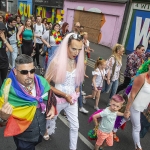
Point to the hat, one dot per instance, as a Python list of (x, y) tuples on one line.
[(2, 26)]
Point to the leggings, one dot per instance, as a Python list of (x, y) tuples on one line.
[(27, 47), (3, 75), (37, 49), (136, 126)]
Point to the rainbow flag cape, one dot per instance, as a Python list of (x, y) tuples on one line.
[(24, 105)]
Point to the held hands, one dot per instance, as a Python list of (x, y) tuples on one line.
[(108, 82), (127, 114), (48, 45), (6, 111)]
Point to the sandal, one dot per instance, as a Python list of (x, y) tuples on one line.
[(116, 139), (46, 137)]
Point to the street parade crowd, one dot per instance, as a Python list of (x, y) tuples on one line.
[(30, 103)]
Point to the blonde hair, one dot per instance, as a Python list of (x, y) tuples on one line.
[(100, 61), (115, 50), (85, 33)]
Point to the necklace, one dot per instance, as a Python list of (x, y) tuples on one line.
[(71, 63), (57, 37), (28, 89)]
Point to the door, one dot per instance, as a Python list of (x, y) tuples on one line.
[(91, 22)]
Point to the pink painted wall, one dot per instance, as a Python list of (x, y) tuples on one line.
[(113, 15)]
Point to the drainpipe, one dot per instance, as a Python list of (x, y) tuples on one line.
[(124, 21)]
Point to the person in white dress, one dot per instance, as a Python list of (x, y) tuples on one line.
[(66, 70), (97, 82)]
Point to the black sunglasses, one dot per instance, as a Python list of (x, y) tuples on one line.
[(76, 37), (25, 72)]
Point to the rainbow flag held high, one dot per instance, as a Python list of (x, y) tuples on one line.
[(24, 105)]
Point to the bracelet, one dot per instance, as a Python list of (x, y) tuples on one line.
[(5, 42)]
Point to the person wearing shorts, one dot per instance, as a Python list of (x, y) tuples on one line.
[(97, 81), (108, 118)]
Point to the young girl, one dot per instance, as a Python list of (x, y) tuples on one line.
[(108, 118), (97, 81), (87, 49)]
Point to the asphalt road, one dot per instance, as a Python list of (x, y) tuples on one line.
[(60, 140)]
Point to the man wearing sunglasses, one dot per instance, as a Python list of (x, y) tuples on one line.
[(28, 95)]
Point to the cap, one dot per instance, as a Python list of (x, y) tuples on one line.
[(2, 26)]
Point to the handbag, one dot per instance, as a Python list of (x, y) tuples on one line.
[(43, 52), (51, 101), (92, 134), (146, 113)]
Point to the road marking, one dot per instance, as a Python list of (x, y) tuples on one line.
[(83, 139)]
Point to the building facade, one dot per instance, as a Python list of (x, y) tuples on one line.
[(50, 9), (11, 6), (102, 20), (25, 9), (3, 5), (138, 25)]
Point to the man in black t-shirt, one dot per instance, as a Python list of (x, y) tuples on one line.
[(12, 38)]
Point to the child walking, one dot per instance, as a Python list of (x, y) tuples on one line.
[(97, 81), (108, 118)]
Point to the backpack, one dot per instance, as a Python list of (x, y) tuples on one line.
[(34, 27)]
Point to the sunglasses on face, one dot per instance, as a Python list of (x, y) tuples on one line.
[(25, 72), (76, 37)]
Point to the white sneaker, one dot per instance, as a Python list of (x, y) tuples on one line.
[(83, 110), (96, 108), (84, 100), (83, 93)]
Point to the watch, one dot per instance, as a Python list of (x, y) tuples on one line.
[(40, 37), (2, 120)]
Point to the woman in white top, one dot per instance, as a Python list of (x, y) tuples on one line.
[(66, 70), (114, 65), (97, 81), (139, 99), (52, 39)]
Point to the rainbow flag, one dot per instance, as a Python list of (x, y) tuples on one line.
[(24, 105)]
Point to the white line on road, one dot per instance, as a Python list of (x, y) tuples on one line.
[(83, 139)]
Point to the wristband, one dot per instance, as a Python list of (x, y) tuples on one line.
[(5, 42)]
